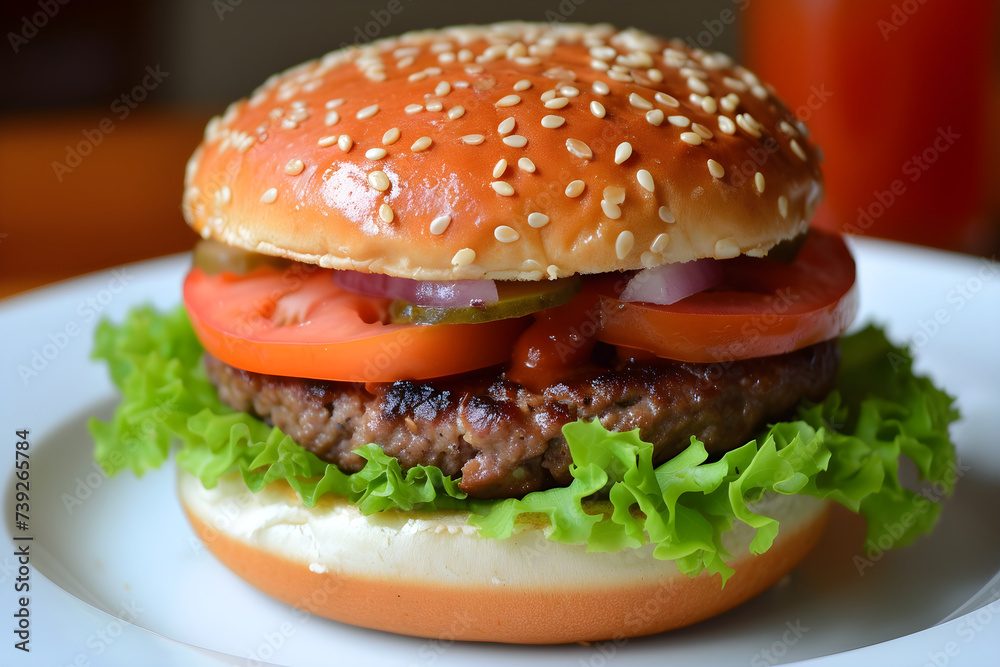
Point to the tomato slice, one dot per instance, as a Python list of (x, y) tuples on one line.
[(297, 323), (763, 307)]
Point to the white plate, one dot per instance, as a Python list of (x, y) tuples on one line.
[(120, 547)]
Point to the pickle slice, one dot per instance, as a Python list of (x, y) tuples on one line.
[(214, 257), (517, 299)]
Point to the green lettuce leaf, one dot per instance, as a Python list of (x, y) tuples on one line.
[(847, 449)]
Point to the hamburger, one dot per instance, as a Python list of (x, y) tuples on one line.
[(494, 324)]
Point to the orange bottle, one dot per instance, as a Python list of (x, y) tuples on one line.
[(896, 93)]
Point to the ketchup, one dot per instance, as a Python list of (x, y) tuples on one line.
[(559, 344)]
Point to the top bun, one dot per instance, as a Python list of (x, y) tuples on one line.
[(510, 151)]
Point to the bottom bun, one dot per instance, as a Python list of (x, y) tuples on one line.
[(429, 574)]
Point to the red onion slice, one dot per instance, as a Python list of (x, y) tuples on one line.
[(670, 283), (433, 293)]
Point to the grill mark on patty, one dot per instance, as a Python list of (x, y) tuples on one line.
[(504, 440)]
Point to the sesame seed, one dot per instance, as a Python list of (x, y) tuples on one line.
[(442, 88), (702, 131), (569, 91), (600, 88), (654, 116), (439, 224), (413, 108), (503, 188), (758, 91), (735, 84), (515, 140), (332, 118), (345, 142), (435, 105), (599, 65), (783, 206), (690, 71), (726, 248), (655, 75), (620, 76), (246, 144), (691, 138), (516, 50), (579, 149), (499, 168), (639, 102), (505, 234), (613, 211), (269, 195), (367, 112), (464, 257), (614, 194), (749, 124), (623, 152), (709, 105), (548, 95), (679, 121), (421, 144), (575, 188), (522, 85), (508, 100), (758, 180), (697, 85), (527, 165), (557, 103), (289, 124), (660, 242), (603, 52), (552, 122), (797, 149), (327, 141), (506, 126), (375, 153), (294, 167), (597, 109), (417, 76), (645, 179), (666, 100), (538, 220), (386, 213), (379, 181), (455, 113), (727, 125), (623, 244), (390, 137), (730, 102), (224, 195), (716, 169), (333, 104), (787, 128), (473, 139), (666, 215)]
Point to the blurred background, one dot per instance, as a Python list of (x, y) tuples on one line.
[(102, 102)]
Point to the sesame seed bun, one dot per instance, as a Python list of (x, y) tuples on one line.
[(429, 574), (512, 151)]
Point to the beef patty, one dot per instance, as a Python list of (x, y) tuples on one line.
[(505, 440)]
